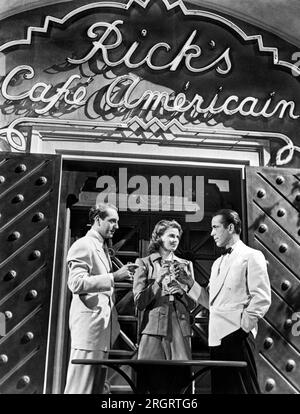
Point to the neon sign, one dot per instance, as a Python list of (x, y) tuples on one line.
[(107, 44), (39, 92), (153, 100), (187, 53), (149, 100)]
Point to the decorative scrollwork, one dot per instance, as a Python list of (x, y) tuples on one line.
[(14, 137)]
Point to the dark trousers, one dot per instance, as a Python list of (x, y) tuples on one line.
[(237, 346), (174, 346)]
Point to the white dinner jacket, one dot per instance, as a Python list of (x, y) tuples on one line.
[(238, 294)]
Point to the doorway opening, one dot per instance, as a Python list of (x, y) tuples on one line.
[(203, 189)]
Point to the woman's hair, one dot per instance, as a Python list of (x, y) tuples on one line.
[(160, 228)]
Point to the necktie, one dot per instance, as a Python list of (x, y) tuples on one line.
[(106, 251), (227, 251)]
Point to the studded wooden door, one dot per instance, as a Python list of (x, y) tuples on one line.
[(29, 186), (273, 200)]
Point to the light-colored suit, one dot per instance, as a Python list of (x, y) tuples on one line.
[(238, 294), (93, 318)]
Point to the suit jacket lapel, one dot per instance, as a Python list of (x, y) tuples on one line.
[(214, 283), (152, 259), (100, 251), (218, 279), (104, 258)]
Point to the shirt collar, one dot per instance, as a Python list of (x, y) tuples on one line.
[(97, 236), (156, 256), (237, 243)]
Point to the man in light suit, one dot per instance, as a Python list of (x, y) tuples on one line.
[(93, 318), (237, 296)]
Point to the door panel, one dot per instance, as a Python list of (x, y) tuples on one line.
[(28, 298), (288, 287), (26, 262), (273, 380), (279, 315), (29, 187), (273, 196), (277, 200), (27, 377), (277, 346), (34, 225), (25, 340)]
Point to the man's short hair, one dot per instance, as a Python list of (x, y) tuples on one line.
[(230, 217), (100, 210)]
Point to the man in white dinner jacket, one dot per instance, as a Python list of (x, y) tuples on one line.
[(237, 296), (93, 318)]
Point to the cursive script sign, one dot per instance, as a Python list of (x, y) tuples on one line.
[(148, 100), (188, 53), (162, 65), (40, 91), (153, 100)]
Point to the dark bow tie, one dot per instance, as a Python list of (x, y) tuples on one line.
[(227, 251)]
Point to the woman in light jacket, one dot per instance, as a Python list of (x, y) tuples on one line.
[(161, 300)]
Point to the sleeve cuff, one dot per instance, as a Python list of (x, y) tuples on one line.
[(190, 288), (112, 279), (156, 286), (195, 292)]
